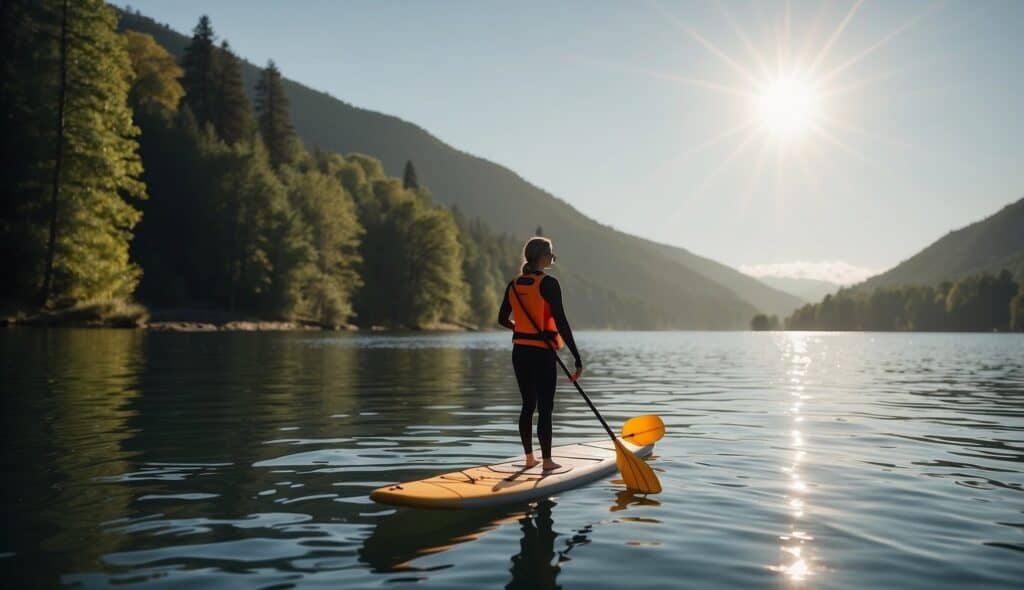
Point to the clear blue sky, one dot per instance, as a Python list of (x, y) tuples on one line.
[(611, 106)]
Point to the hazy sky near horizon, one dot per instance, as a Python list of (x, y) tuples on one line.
[(651, 116)]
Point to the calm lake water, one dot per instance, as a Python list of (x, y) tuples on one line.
[(244, 460)]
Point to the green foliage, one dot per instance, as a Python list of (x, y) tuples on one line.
[(26, 74), (762, 323), (155, 74), (324, 288), (976, 303), (272, 114), (412, 259), (1017, 311), (409, 180), (66, 112), (232, 115), (489, 262), (200, 76), (435, 288), (234, 212), (237, 220), (981, 302)]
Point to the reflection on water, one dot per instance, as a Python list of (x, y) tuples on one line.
[(401, 537), (796, 549), (536, 565), (53, 453), (825, 460)]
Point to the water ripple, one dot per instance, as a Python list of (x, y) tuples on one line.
[(810, 460)]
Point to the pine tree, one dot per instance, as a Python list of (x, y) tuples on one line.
[(272, 113), (232, 115), (200, 76), (27, 84), (96, 164), (1017, 311), (58, 160), (409, 181), (539, 232)]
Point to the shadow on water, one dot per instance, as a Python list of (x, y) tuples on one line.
[(409, 533)]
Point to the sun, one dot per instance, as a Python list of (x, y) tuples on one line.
[(787, 107)]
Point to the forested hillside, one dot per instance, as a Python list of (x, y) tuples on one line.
[(972, 279), (107, 129), (990, 245), (977, 303), (613, 279)]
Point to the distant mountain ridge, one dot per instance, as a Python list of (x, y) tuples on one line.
[(810, 290), (989, 245), (616, 280)]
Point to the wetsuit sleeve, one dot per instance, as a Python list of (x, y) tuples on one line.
[(505, 311), (552, 293)]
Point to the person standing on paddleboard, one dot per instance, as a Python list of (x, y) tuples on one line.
[(532, 308)]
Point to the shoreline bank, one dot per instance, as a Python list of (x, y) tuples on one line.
[(134, 316)]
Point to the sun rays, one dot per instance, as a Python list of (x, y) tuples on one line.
[(791, 88)]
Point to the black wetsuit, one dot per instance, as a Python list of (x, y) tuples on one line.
[(535, 367)]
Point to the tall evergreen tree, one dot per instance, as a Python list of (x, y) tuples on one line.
[(96, 164), (22, 210), (58, 147), (409, 181), (232, 115), (200, 79), (1017, 311), (272, 113)]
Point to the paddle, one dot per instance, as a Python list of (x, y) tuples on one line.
[(637, 474), (643, 430)]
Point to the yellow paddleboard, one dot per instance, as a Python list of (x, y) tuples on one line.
[(508, 480)]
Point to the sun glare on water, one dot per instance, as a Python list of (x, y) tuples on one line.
[(787, 107)]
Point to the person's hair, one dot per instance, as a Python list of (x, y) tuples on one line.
[(532, 252)]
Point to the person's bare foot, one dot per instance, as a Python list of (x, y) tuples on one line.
[(550, 465), (530, 461)]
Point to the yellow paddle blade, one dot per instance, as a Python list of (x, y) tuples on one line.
[(643, 430), (638, 475)]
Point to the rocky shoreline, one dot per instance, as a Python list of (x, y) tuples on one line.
[(194, 320)]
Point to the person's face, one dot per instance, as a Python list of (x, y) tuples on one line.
[(548, 260)]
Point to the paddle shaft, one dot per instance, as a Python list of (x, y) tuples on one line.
[(551, 347)]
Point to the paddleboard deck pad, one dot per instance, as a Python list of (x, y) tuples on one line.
[(509, 480)]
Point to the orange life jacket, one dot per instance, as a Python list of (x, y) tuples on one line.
[(527, 286)]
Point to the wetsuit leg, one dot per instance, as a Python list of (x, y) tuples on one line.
[(524, 366), (547, 380)]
